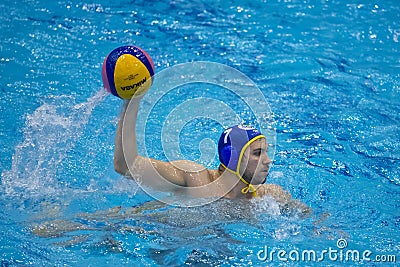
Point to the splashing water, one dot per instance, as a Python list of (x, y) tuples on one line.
[(50, 132)]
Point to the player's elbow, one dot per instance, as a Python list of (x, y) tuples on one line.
[(120, 167)]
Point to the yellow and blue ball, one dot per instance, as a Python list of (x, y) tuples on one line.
[(127, 71)]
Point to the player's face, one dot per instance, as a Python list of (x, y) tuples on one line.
[(256, 162)]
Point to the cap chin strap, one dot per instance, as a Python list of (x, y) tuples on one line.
[(249, 187)]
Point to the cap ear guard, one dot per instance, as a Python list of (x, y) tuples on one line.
[(229, 156)]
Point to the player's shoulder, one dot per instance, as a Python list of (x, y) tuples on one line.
[(194, 174), (188, 166)]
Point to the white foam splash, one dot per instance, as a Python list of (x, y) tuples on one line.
[(266, 205), (50, 132)]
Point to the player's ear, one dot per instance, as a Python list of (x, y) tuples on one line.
[(229, 156)]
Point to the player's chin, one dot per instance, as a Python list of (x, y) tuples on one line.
[(261, 179), (264, 176), (264, 180)]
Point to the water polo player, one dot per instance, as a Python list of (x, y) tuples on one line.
[(244, 165)]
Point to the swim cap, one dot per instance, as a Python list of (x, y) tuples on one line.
[(232, 144)]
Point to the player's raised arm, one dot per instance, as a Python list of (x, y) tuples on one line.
[(182, 172), (120, 164)]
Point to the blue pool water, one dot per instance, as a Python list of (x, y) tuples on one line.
[(330, 71)]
